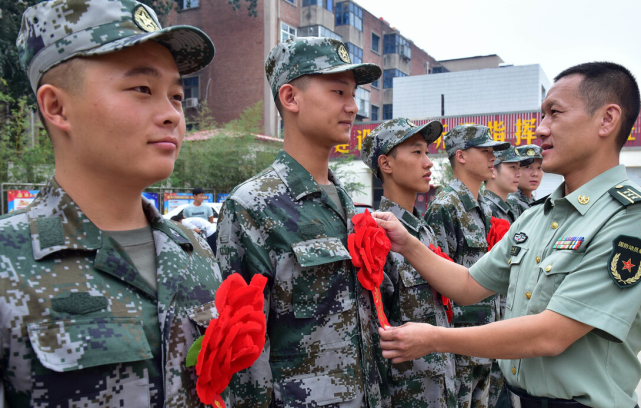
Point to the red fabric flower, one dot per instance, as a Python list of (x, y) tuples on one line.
[(368, 246), (447, 302), (233, 341), (499, 227)]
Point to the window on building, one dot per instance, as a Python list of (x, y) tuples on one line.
[(376, 84), (395, 44), (355, 53), (286, 32), (388, 112), (389, 75), (375, 113), (187, 4), (362, 101), (543, 93), (326, 4), (291, 1), (348, 13), (191, 88), (439, 70), (376, 40), (318, 31)]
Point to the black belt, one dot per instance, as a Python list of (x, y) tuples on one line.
[(520, 399)]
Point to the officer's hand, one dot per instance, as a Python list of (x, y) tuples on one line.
[(407, 342), (395, 231)]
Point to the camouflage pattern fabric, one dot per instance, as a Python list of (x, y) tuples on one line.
[(320, 349), (498, 207), (313, 55), (461, 223), (55, 31), (496, 384), (463, 137), (428, 381), (390, 134), (475, 383), (81, 327), (532, 151), (519, 202), (512, 155)]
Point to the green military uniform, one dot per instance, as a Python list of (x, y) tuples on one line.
[(81, 326), (427, 381), (461, 223), (518, 201), (321, 348), (577, 255)]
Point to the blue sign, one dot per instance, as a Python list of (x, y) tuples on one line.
[(153, 197), (222, 197)]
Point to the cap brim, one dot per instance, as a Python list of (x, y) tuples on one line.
[(365, 73), (191, 48), (524, 161), (498, 146), (430, 131)]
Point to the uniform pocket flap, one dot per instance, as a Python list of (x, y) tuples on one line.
[(202, 315), (316, 390), (72, 344), (410, 277), (320, 251), (473, 242), (517, 254), (561, 262)]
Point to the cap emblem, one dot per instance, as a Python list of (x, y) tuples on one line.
[(412, 124), (144, 20), (516, 152), (531, 152), (343, 54)]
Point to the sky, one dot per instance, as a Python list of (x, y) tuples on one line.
[(556, 34)]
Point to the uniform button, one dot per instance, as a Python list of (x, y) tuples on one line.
[(528, 295), (538, 259), (555, 225), (548, 268), (509, 261), (513, 370)]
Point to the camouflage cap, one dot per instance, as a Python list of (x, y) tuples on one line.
[(313, 55), (55, 31), (512, 155), (391, 133), (463, 137), (531, 151)]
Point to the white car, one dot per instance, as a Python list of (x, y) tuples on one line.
[(215, 206)]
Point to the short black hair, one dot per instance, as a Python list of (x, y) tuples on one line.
[(607, 82), (178, 217), (198, 190)]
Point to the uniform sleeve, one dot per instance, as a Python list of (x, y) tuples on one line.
[(439, 219), (587, 293), (241, 250)]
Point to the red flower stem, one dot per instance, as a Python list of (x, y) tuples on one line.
[(378, 302)]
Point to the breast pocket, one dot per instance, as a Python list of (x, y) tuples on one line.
[(474, 248), (321, 278), (552, 271), (415, 296), (515, 271), (319, 389)]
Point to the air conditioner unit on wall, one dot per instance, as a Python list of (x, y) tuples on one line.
[(191, 102)]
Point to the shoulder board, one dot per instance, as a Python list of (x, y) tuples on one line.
[(626, 195), (539, 201)]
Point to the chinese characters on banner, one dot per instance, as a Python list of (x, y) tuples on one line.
[(19, 199), (516, 128)]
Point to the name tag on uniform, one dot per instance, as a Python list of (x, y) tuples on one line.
[(568, 243), (515, 250)]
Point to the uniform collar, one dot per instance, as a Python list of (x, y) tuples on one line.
[(523, 197), (411, 220), (590, 191), (465, 195), (493, 197)]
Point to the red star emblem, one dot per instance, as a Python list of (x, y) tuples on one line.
[(628, 265)]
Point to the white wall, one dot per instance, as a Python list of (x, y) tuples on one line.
[(493, 90), (360, 173)]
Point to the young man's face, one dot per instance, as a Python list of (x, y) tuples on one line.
[(531, 176), (411, 168), (199, 198), (126, 119), (506, 177), (327, 109), (479, 162)]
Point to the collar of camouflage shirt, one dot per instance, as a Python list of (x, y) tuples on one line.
[(465, 195)]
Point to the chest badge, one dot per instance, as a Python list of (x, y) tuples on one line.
[(520, 237), (568, 243), (624, 264)]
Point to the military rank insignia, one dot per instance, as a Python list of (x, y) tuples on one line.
[(626, 195), (624, 264), (568, 243), (520, 237)]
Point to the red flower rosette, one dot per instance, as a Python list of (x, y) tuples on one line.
[(499, 227), (447, 302), (368, 247), (234, 340)]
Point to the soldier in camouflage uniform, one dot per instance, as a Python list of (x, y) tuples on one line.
[(101, 298), (290, 224), (531, 175), (460, 218), (396, 152)]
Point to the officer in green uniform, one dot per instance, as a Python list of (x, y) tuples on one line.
[(531, 175), (570, 266), (100, 297), (396, 152), (460, 218), (290, 224)]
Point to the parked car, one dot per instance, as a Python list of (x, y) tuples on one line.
[(360, 208), (215, 206)]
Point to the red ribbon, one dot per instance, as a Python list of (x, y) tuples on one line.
[(498, 228)]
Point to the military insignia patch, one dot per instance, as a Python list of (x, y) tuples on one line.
[(624, 264), (568, 243), (520, 237), (531, 152), (343, 54), (144, 20), (515, 250), (626, 195)]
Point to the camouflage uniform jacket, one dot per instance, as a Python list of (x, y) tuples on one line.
[(73, 306), (499, 208), (319, 348), (414, 300), (519, 202), (461, 223)]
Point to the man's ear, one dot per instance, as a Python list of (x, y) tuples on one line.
[(610, 120), (384, 165), (52, 103), (288, 95), (460, 156)]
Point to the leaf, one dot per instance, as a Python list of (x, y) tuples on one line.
[(192, 354)]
